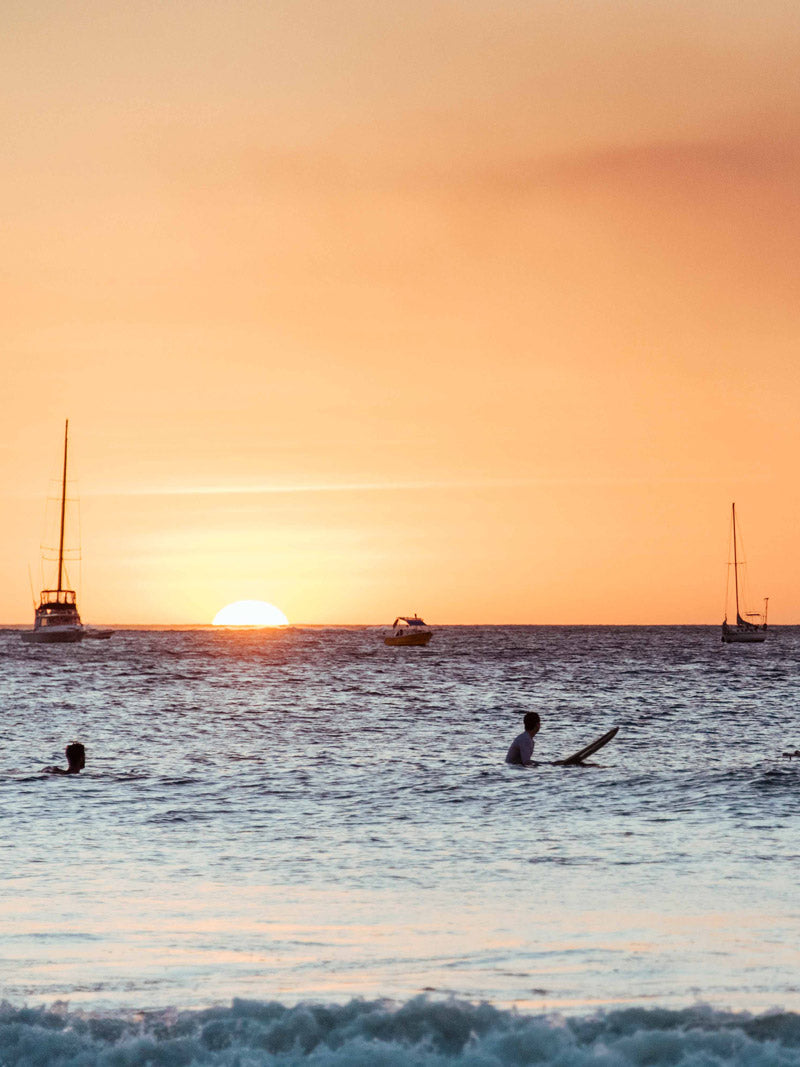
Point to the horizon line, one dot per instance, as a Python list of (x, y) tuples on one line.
[(384, 625)]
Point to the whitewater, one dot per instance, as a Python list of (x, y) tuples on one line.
[(301, 846)]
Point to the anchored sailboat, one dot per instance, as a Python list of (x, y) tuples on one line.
[(750, 626), (56, 618)]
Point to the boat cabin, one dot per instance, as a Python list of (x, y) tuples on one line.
[(57, 598), (57, 607), (402, 621)]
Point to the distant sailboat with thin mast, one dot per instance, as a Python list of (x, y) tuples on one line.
[(56, 618), (751, 626)]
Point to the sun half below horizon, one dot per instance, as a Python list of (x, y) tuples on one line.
[(250, 613)]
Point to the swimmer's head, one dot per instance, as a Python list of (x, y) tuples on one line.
[(76, 756), (532, 722)]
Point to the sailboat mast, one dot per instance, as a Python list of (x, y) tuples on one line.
[(63, 508), (735, 560)]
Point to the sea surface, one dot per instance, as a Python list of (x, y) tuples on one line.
[(301, 846)]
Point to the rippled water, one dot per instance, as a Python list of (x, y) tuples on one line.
[(305, 813)]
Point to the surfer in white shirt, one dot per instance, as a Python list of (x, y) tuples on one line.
[(521, 751)]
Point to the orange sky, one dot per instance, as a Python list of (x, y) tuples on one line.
[(485, 310)]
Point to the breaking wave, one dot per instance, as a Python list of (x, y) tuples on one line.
[(421, 1032)]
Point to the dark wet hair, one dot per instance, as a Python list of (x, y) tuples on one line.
[(531, 719), (75, 753)]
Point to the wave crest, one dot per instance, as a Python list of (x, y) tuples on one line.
[(419, 1033)]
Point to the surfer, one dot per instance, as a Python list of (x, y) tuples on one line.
[(520, 753), (76, 760)]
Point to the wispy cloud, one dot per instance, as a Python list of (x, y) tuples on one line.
[(343, 487), (414, 486)]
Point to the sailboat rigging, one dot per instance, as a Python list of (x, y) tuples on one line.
[(56, 618), (745, 630)]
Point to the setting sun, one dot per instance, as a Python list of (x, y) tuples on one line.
[(250, 613)]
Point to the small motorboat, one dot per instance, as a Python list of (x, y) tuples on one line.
[(96, 635), (408, 630)]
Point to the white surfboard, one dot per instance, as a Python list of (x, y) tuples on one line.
[(589, 750)]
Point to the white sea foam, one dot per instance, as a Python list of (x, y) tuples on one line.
[(421, 1033)]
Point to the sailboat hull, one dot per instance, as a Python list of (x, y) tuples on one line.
[(67, 633), (743, 637), (53, 636)]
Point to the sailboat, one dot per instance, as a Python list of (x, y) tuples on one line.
[(750, 628), (56, 618)]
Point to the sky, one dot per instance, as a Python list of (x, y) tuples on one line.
[(483, 310)]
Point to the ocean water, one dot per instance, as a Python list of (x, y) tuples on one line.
[(300, 846)]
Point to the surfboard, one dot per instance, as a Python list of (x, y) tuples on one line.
[(589, 750)]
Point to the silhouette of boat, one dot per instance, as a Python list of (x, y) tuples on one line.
[(751, 627), (408, 630), (56, 619)]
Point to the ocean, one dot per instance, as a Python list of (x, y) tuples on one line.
[(299, 846)]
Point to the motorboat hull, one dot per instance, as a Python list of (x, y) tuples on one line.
[(408, 639)]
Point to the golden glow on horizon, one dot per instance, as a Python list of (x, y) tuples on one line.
[(250, 613)]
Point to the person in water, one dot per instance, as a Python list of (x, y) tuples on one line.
[(521, 751), (76, 760)]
